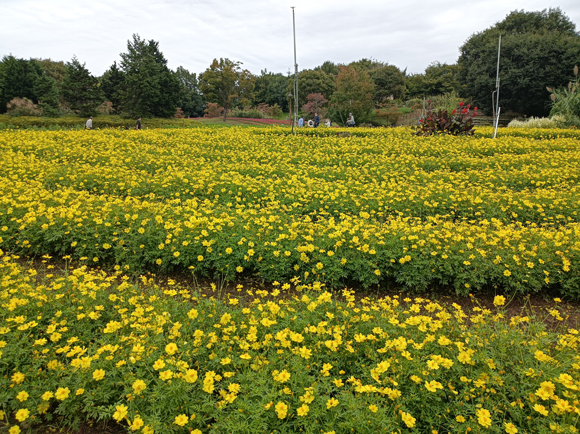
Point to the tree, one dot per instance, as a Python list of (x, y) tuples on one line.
[(367, 64), (17, 80), (113, 86), (389, 83), (354, 94), (271, 89), (438, 79), (227, 84), (46, 88), (190, 98), (315, 104), (80, 89), (538, 49), (312, 81), (328, 67), (151, 88), (55, 69)]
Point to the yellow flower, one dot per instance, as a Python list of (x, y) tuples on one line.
[(137, 423), (507, 273), (499, 300), (432, 386), (139, 386), (281, 410), (47, 395), (62, 393), (166, 375), (80, 391), (18, 378), (181, 420), (483, 417), (460, 419), (373, 408), (303, 410), (190, 376), (510, 428), (120, 413), (22, 396), (332, 402), (99, 374), (408, 419), (14, 430), (541, 409), (171, 349), (22, 414), (159, 364)]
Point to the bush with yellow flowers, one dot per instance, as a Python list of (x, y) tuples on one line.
[(382, 207), (86, 346)]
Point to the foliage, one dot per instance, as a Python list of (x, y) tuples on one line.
[(150, 89), (190, 100), (367, 64), (457, 123), (546, 38), (17, 79), (354, 94), (213, 110), (112, 84), (447, 101), (80, 89), (46, 89), (566, 102), (270, 88), (227, 84), (382, 207), (329, 68), (438, 78), (389, 83), (312, 81), (315, 105), (56, 69), (86, 346), (22, 107)]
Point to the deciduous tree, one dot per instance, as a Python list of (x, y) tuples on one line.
[(227, 84), (354, 94)]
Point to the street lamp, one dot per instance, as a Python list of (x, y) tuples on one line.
[(290, 107)]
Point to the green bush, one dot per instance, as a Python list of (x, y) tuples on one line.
[(99, 122)]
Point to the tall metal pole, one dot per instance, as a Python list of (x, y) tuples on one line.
[(295, 74), (496, 108)]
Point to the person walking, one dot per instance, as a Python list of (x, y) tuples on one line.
[(138, 126), (301, 122), (89, 124), (316, 120)]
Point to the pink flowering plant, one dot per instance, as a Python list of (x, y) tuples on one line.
[(457, 123)]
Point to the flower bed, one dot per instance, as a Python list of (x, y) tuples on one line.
[(88, 346)]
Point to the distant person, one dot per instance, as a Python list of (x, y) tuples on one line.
[(328, 123), (89, 124), (316, 120), (300, 122), (350, 121), (138, 126)]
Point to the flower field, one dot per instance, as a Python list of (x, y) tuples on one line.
[(380, 207)]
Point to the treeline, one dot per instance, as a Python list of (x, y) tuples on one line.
[(539, 50)]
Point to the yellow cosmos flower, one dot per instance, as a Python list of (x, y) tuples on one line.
[(62, 393), (98, 374), (139, 386), (120, 413), (22, 414), (408, 419), (281, 410), (181, 420), (171, 349)]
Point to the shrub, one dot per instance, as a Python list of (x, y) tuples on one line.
[(554, 122), (22, 107), (458, 122), (566, 102), (213, 110)]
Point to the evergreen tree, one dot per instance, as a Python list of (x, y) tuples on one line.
[(17, 79), (151, 89), (538, 49), (46, 88), (113, 85), (190, 98), (80, 90), (271, 88), (389, 83), (312, 81)]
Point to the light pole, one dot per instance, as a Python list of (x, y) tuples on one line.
[(290, 107), (295, 73)]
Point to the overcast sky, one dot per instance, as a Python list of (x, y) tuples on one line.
[(407, 33)]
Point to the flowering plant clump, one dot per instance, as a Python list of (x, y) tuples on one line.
[(458, 122), (88, 346)]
